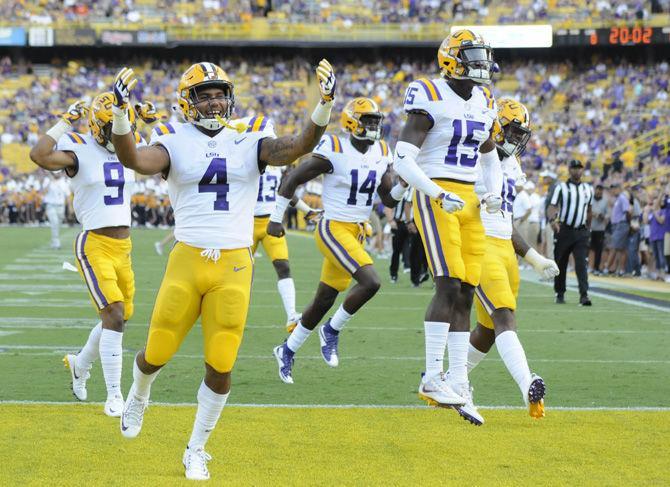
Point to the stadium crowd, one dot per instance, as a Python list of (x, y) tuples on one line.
[(345, 13), (609, 115)]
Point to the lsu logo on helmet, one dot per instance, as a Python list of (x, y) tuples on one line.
[(100, 119), (465, 55), (511, 131), (362, 118), (204, 75)]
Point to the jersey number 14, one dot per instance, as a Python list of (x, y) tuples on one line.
[(366, 187)]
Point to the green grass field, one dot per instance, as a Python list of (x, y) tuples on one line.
[(612, 356)]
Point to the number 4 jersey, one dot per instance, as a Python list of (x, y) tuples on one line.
[(460, 127), (348, 191), (213, 182), (101, 185)]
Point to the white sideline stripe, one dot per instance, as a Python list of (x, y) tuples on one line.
[(11, 402), (65, 348)]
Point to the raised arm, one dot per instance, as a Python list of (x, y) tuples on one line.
[(145, 160), (43, 153), (284, 150)]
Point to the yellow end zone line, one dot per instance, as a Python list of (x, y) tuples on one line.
[(340, 406)]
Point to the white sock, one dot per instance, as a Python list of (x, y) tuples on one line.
[(339, 319), (286, 288), (457, 346), (89, 353), (210, 405), (142, 382), (474, 357), (512, 354), (296, 339), (111, 359), (436, 340)]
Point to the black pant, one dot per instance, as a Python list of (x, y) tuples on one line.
[(400, 238), (597, 244), (417, 257), (573, 241)]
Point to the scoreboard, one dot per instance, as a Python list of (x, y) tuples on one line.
[(638, 35)]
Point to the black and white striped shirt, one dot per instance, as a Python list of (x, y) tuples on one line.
[(574, 201), (399, 210)]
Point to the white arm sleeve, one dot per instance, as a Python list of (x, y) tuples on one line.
[(407, 168), (492, 172)]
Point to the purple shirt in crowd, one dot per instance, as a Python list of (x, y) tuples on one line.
[(656, 229), (621, 206)]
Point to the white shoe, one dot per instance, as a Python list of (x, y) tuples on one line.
[(158, 247), (468, 411), (195, 463), (436, 392), (79, 377), (133, 414), (114, 406), (293, 322)]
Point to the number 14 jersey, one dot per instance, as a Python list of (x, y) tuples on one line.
[(213, 182), (460, 127), (348, 191)]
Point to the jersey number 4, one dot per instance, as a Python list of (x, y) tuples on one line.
[(367, 187), (114, 178), (469, 141), (216, 171)]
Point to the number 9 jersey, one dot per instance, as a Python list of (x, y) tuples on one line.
[(102, 187), (213, 182), (459, 127)]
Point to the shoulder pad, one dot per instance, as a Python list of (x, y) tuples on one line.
[(75, 138), (257, 124), (384, 147), (488, 96), (164, 129), (430, 89)]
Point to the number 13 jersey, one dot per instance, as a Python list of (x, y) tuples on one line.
[(348, 190), (460, 127), (102, 187), (213, 182)]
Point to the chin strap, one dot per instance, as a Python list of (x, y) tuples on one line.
[(239, 126)]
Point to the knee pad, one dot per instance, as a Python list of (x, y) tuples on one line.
[(161, 346), (221, 350)]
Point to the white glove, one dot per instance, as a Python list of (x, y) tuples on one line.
[(327, 80), (451, 202), (492, 202), (546, 268), (124, 83)]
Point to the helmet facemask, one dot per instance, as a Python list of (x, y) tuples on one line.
[(204, 120), (369, 127), (516, 136), (477, 62)]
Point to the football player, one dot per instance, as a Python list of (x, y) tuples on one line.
[(212, 169), (353, 169), (102, 188), (499, 285), (276, 248), (445, 139)]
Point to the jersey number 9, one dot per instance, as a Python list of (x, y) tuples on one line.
[(114, 178)]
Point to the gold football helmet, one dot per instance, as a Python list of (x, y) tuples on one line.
[(100, 119), (362, 118), (197, 76), (511, 131), (465, 55)]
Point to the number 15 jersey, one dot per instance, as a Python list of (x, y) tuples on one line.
[(213, 182), (348, 190), (460, 127), (102, 187)]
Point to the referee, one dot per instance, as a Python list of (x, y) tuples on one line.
[(569, 213)]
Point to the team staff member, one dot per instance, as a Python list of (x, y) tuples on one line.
[(569, 214)]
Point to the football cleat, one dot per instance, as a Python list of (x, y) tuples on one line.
[(195, 463), (436, 392), (79, 377), (284, 357), (114, 406), (293, 322), (468, 411), (535, 397), (329, 339), (132, 415)]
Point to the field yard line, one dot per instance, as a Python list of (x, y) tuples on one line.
[(63, 348), (340, 406)]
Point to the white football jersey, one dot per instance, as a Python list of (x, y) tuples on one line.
[(460, 127), (102, 187), (213, 182), (349, 190), (499, 224), (268, 184)]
